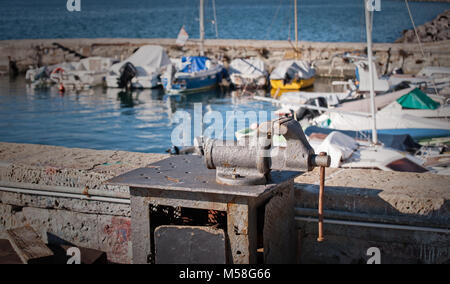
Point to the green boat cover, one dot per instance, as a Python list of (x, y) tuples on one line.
[(416, 99)]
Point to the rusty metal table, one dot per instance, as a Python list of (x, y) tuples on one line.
[(184, 182)]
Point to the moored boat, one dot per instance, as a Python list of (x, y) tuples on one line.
[(192, 74), (143, 69), (248, 73), (292, 75)]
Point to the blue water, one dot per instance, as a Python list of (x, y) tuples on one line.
[(107, 119), (319, 20)]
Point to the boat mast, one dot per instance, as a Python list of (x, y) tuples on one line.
[(202, 28), (296, 28), (215, 18), (369, 16)]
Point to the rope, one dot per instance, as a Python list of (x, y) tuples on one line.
[(273, 19), (415, 29), (419, 42)]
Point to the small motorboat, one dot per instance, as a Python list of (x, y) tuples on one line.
[(431, 76), (248, 73), (45, 76), (192, 74), (142, 69), (86, 73), (292, 75)]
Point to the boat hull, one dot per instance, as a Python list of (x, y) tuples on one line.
[(294, 85), (195, 83), (241, 82), (142, 82)]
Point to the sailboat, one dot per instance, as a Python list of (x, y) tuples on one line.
[(193, 73), (292, 74)]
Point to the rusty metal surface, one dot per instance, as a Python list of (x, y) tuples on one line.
[(189, 174), (280, 237), (190, 244), (321, 193), (249, 161)]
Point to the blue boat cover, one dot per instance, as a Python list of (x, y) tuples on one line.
[(402, 142), (193, 64)]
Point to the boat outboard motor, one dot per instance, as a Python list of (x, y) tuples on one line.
[(302, 112), (291, 74), (127, 72)]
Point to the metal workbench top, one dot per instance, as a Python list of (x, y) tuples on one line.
[(188, 173)]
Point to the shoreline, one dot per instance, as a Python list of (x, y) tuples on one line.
[(39, 52)]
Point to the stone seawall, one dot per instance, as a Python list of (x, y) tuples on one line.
[(405, 215), (33, 52), (79, 220)]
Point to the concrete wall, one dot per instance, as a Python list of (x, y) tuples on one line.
[(82, 222), (400, 201), (406, 55), (365, 196)]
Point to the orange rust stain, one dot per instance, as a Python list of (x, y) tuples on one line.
[(172, 179)]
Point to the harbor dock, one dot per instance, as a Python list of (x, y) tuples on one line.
[(34, 52)]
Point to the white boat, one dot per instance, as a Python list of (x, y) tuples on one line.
[(381, 101), (87, 73), (48, 75), (345, 152), (431, 76), (417, 103), (248, 73), (394, 123), (434, 71), (291, 102), (149, 62)]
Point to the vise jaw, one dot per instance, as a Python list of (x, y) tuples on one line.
[(250, 161)]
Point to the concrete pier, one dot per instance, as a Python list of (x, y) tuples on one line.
[(34, 52), (405, 215)]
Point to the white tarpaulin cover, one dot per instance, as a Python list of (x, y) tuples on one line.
[(391, 121), (302, 97), (339, 146), (303, 68), (147, 59), (380, 101), (248, 67), (95, 64)]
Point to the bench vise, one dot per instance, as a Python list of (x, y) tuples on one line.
[(279, 144)]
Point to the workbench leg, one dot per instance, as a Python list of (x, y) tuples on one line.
[(241, 227), (280, 236), (140, 229)]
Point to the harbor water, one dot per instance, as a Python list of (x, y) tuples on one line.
[(99, 118)]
